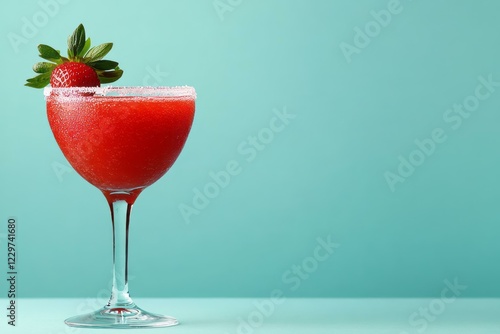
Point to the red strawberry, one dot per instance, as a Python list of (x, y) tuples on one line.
[(73, 74), (84, 66)]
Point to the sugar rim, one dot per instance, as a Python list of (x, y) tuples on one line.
[(174, 91)]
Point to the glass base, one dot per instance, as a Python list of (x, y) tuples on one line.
[(121, 317)]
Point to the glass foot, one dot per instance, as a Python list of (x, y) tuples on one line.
[(121, 317)]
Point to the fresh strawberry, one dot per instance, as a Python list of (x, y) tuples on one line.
[(84, 66), (72, 74)]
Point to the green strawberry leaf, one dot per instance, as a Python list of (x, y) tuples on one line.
[(98, 52), (39, 81), (109, 76), (49, 53), (43, 67), (76, 42), (86, 48), (103, 65)]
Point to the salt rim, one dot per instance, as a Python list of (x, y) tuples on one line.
[(174, 91)]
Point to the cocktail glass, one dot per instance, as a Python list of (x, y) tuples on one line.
[(121, 140)]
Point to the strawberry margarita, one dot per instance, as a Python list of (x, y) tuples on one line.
[(121, 143), (121, 140)]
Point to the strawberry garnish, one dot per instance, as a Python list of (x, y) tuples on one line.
[(84, 66), (72, 74)]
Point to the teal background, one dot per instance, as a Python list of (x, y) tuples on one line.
[(322, 175)]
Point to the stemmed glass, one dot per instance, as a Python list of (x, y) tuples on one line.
[(121, 140)]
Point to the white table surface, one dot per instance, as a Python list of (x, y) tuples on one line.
[(311, 316)]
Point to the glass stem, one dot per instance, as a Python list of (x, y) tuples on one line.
[(120, 215)]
